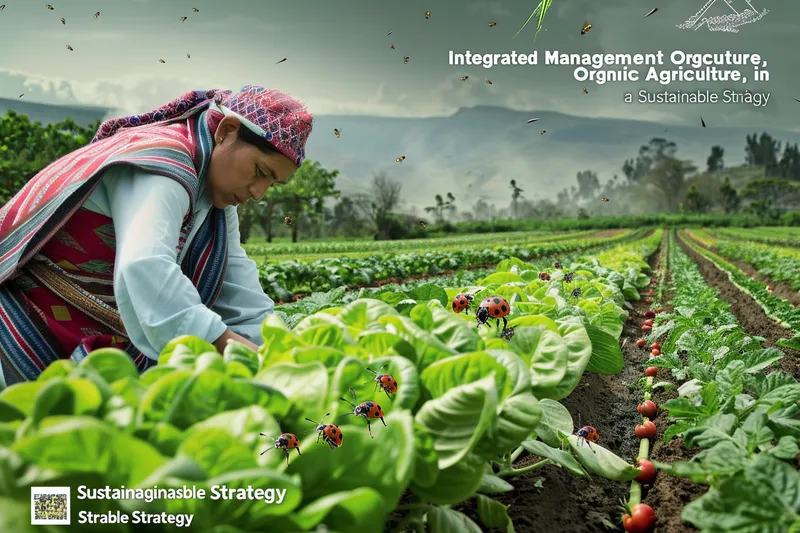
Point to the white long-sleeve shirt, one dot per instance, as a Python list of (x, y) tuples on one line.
[(156, 301)]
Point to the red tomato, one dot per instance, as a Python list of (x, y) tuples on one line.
[(650, 292), (647, 430), (648, 470), (649, 314), (655, 346), (648, 322), (647, 409), (648, 300), (641, 520), (655, 353), (651, 371), (640, 343), (646, 327)]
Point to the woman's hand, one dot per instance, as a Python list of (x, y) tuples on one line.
[(221, 342)]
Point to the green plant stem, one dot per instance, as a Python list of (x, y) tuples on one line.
[(516, 453), (524, 470), (644, 449), (636, 493)]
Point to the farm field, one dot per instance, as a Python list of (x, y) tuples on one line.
[(653, 366)]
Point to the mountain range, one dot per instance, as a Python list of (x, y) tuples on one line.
[(475, 152)]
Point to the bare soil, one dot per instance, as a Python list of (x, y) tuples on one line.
[(748, 313)]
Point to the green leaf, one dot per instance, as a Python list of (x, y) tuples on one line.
[(606, 353), (361, 509), (492, 513), (457, 419), (602, 461), (305, 385), (120, 458), (429, 291), (555, 419), (195, 345), (454, 484), (111, 364), (444, 520), (385, 463), (558, 456)]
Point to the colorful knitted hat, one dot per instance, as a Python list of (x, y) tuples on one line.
[(277, 117)]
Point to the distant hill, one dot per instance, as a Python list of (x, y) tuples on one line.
[(49, 114), (476, 151)]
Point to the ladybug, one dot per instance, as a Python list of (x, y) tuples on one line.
[(568, 277), (384, 381), (366, 410), (329, 433), (285, 442), (288, 221), (544, 276), (493, 307), (507, 334), (462, 302), (587, 434), (557, 265)]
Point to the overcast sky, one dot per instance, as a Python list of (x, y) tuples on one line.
[(339, 59)]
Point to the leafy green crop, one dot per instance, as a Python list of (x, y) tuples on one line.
[(745, 422), (468, 403), (282, 280)]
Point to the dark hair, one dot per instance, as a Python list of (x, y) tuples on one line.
[(249, 137)]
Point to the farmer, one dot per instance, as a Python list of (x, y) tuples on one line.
[(133, 240)]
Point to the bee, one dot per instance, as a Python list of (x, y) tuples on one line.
[(183, 19), (288, 221), (427, 14), (161, 61), (405, 60), (585, 91), (70, 48), (195, 10), (63, 21), (488, 82), (48, 6), (336, 132), (281, 61), (188, 55), (542, 132), (423, 224), (464, 78), (603, 199), (391, 46), (400, 159), (577, 292), (97, 15), (585, 29), (492, 24)]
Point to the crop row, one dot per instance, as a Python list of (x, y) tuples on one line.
[(467, 403), (334, 248), (744, 421), (780, 264), (283, 280), (293, 312), (776, 308), (782, 236)]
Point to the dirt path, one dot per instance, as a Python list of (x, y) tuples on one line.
[(669, 494), (747, 311), (566, 503)]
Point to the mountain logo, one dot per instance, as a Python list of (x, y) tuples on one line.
[(742, 12)]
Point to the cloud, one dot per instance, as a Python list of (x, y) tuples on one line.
[(489, 8)]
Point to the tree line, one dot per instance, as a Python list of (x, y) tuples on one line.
[(655, 180)]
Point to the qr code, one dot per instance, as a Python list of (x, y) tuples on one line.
[(50, 505)]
